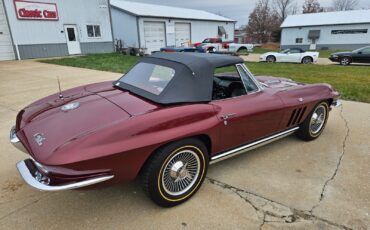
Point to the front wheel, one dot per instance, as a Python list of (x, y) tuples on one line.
[(271, 59), (315, 122), (175, 172), (345, 61), (307, 60)]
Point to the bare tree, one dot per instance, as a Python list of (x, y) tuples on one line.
[(263, 22), (342, 5), (283, 8), (311, 6)]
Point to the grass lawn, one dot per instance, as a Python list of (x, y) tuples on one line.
[(258, 50), (108, 62), (352, 81)]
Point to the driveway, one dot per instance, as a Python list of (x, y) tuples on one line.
[(290, 184)]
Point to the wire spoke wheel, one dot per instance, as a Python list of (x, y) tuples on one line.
[(318, 119), (181, 172)]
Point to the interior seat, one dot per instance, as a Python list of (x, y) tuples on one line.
[(237, 89)]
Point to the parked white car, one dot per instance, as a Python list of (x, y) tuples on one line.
[(295, 55)]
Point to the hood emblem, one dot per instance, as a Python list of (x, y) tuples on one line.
[(39, 138), (70, 106)]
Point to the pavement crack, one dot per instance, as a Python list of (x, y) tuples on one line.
[(322, 194), (25, 206), (263, 222), (270, 211)]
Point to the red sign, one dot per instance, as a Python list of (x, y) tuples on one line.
[(26, 10)]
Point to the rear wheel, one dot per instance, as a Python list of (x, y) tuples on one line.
[(175, 172), (242, 50), (345, 61), (271, 59), (315, 122), (211, 50)]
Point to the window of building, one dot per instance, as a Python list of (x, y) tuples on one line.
[(299, 40), (356, 31), (93, 31)]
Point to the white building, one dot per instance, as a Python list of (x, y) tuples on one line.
[(48, 28), (151, 26), (343, 30)]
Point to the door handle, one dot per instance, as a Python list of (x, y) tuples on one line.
[(225, 117)]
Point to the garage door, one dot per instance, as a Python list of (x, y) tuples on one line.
[(182, 31), (154, 35), (6, 47)]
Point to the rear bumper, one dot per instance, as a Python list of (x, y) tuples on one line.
[(15, 141), (33, 176), (36, 179)]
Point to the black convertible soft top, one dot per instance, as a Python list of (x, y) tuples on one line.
[(193, 79)]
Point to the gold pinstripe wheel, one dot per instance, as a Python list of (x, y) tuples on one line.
[(315, 122), (175, 172)]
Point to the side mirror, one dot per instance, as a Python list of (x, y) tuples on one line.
[(359, 52)]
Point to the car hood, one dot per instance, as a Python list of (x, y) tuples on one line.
[(276, 82), (43, 127), (342, 53)]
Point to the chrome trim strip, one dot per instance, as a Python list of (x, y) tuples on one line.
[(30, 180), (15, 140), (251, 75), (250, 146)]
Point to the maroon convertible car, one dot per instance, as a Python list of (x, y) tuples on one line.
[(165, 120)]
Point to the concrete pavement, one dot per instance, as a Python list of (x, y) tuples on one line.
[(289, 184)]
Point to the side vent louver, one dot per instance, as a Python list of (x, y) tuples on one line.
[(296, 116)]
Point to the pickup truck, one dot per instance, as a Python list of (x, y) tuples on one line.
[(213, 45)]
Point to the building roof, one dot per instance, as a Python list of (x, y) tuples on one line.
[(151, 10), (327, 18)]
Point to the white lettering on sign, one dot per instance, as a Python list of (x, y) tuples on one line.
[(26, 10)]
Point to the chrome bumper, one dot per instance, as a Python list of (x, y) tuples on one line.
[(34, 182), (15, 141), (337, 103)]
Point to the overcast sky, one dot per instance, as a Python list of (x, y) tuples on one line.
[(235, 9)]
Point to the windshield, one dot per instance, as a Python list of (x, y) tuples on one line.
[(358, 50), (149, 77), (361, 49), (206, 41)]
